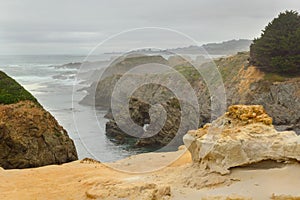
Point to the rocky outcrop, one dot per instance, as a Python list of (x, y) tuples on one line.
[(279, 95), (31, 137), (243, 84), (139, 114), (282, 102), (242, 136), (170, 133), (100, 92)]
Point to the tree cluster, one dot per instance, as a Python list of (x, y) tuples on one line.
[(278, 48)]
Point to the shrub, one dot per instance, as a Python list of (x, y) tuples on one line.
[(278, 48), (11, 91)]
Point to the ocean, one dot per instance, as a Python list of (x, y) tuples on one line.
[(57, 88), (38, 74)]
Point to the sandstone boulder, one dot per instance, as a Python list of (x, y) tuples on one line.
[(242, 136)]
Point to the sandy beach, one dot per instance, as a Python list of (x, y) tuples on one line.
[(88, 179)]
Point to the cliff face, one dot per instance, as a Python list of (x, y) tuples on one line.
[(280, 99), (157, 132), (247, 85), (242, 136), (29, 135), (279, 95), (243, 84), (100, 92)]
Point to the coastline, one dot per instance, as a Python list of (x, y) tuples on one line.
[(55, 95)]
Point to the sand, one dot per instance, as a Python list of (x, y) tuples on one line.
[(92, 180)]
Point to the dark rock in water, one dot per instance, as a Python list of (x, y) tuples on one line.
[(72, 65), (64, 75), (31, 137), (138, 113), (99, 94), (169, 132)]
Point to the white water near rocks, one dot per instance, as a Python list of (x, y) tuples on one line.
[(53, 87), (36, 73)]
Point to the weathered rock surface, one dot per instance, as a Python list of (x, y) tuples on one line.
[(242, 136), (280, 98), (169, 133), (31, 137), (243, 84), (100, 92), (139, 114)]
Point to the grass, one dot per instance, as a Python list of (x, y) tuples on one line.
[(229, 67), (190, 73), (273, 77), (12, 92)]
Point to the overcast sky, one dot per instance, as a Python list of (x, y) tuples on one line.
[(75, 27)]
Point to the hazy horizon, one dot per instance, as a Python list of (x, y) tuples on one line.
[(66, 27), (110, 52)]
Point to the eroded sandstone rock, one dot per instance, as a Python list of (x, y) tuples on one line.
[(242, 136)]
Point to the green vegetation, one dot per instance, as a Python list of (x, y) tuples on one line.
[(122, 65), (278, 48), (11, 91), (189, 72), (229, 67), (274, 77)]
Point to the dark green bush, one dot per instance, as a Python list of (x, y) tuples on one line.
[(11, 91), (278, 48)]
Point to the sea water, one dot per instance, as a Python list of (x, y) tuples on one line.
[(36, 73), (53, 86)]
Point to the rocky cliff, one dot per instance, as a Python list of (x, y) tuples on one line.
[(29, 135), (242, 136), (244, 84), (99, 93), (156, 133), (248, 85)]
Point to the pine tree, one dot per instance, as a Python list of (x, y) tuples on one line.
[(278, 48)]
